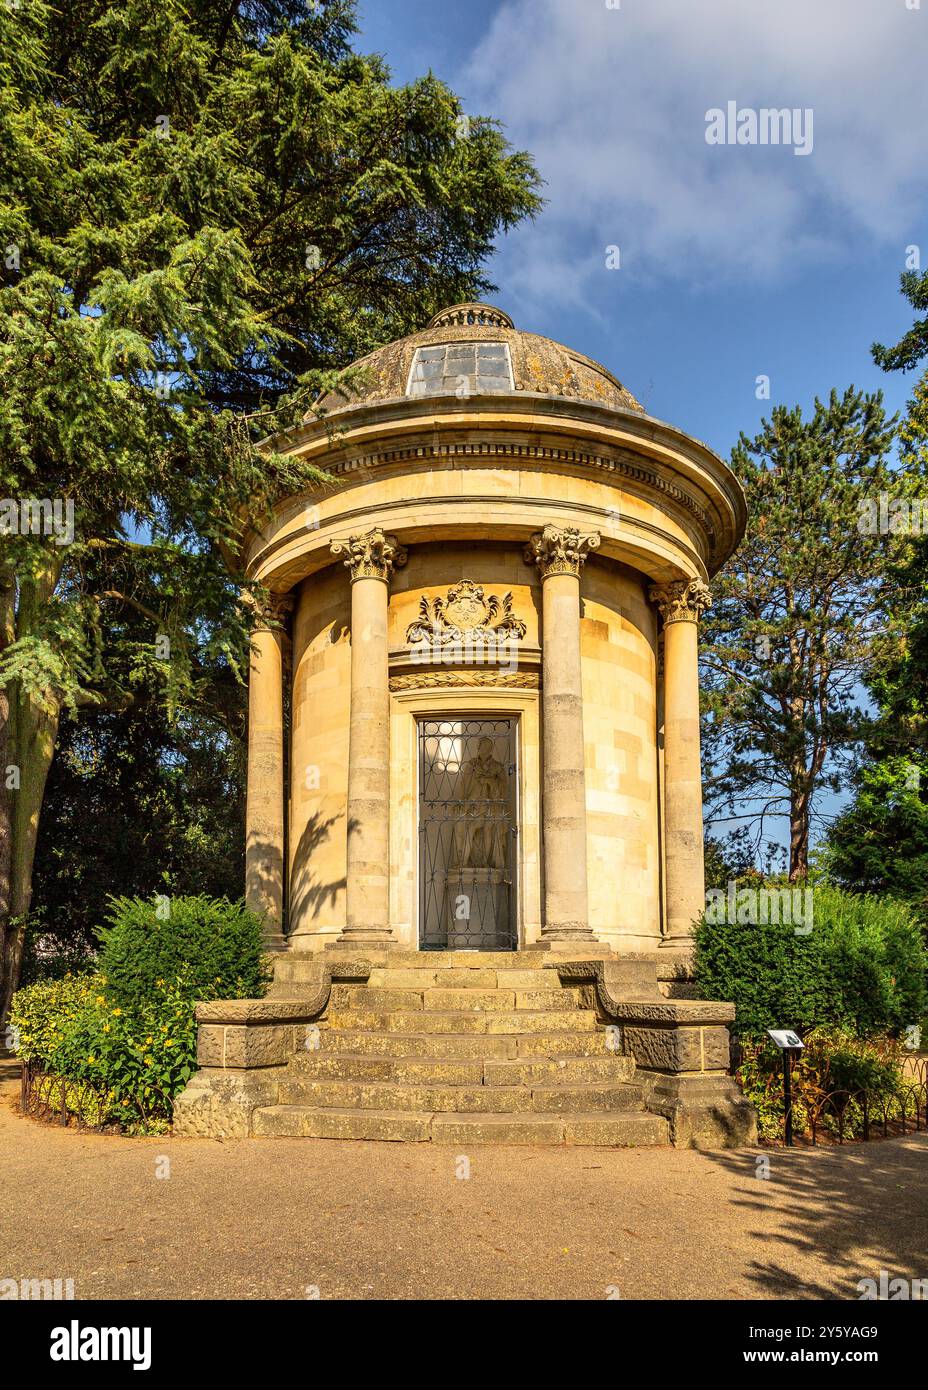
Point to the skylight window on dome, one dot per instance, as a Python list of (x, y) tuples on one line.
[(460, 369)]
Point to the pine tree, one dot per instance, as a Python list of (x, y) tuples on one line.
[(880, 843), (207, 209), (798, 614)]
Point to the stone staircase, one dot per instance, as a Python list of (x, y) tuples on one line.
[(457, 1047)]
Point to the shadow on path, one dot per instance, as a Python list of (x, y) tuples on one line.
[(861, 1207)]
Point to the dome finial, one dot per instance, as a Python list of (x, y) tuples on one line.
[(463, 315)]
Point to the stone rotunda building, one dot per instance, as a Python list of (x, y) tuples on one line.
[(474, 824)]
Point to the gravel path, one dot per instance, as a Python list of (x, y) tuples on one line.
[(279, 1218)]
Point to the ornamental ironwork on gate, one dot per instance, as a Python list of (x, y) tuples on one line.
[(468, 834)]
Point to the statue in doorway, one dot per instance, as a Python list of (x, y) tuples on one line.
[(481, 831)]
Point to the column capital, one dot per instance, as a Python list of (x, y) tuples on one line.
[(681, 601), (370, 555), (271, 611), (560, 550)]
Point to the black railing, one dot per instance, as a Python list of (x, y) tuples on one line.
[(66, 1101), (845, 1115), (62, 1100)]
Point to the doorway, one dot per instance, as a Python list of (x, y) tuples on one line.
[(468, 834)]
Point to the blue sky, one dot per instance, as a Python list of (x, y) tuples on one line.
[(737, 261)]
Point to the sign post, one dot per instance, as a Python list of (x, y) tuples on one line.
[(788, 1042)]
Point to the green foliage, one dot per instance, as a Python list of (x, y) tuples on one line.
[(201, 948), (51, 955), (861, 967), (880, 843), (826, 1083), (913, 346), (211, 208), (123, 1038), (139, 806), (798, 613), (122, 1066)]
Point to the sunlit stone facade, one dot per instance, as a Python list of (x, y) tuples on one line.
[(474, 702)]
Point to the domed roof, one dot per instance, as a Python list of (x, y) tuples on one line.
[(474, 349)]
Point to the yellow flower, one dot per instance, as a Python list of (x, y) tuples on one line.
[(117, 1012), (106, 1027), (100, 999), (148, 1040), (148, 1061), (91, 1058), (169, 1042)]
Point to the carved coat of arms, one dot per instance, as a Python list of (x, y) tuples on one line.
[(465, 614)]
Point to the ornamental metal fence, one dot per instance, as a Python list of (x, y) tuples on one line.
[(840, 1115), (66, 1101)]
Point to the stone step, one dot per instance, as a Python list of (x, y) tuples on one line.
[(436, 1045), (622, 1130), (381, 1095), (302, 1121), (396, 959), (437, 1000), (467, 1045), (400, 1070), (299, 1089), (454, 977), (572, 1071), (466, 960), (594, 1043), (562, 1071), (426, 1021)]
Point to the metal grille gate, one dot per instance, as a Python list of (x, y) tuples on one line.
[(467, 834)]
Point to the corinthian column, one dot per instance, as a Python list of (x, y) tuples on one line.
[(559, 553), (370, 560), (681, 605), (264, 805)]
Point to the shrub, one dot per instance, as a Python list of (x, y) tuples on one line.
[(123, 1039), (827, 1080), (861, 967), (126, 1065), (203, 948)]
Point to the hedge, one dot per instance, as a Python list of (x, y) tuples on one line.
[(205, 948), (861, 967)]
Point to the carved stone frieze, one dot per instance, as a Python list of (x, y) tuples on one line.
[(465, 613)]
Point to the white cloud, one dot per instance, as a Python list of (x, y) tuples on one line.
[(613, 105)]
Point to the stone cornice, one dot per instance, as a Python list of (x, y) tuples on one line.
[(641, 539), (623, 464), (600, 431)]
